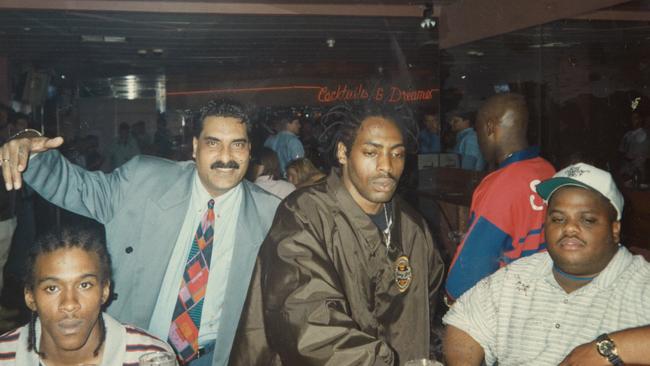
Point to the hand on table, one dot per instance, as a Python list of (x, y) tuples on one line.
[(585, 355)]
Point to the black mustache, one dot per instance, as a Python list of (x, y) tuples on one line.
[(227, 165), (387, 175)]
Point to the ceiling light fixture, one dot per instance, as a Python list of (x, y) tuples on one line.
[(428, 22), (102, 39), (330, 42), (114, 39), (554, 45)]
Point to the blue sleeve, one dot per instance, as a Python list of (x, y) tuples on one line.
[(468, 162), (435, 144), (428, 143), (269, 143), (295, 149), (423, 144), (477, 257), (90, 194), (472, 158)]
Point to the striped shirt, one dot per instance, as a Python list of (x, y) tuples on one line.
[(124, 345), (521, 316)]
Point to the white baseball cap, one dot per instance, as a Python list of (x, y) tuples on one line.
[(586, 176)]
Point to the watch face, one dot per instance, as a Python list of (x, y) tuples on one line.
[(605, 347)]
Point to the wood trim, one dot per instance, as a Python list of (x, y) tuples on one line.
[(375, 10)]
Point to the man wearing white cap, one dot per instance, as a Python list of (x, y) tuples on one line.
[(584, 302)]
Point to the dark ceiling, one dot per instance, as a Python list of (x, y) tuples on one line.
[(108, 43), (619, 43), (105, 43)]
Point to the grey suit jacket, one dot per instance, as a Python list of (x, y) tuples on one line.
[(142, 205)]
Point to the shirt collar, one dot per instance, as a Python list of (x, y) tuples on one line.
[(619, 262), (200, 195), (264, 179), (346, 204), (464, 132), (525, 154)]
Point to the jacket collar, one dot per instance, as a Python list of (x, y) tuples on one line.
[(359, 219), (181, 191), (248, 214), (527, 153)]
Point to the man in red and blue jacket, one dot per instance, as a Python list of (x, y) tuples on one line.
[(506, 214)]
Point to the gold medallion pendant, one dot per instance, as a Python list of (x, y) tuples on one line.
[(403, 273)]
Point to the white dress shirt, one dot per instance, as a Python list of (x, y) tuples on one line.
[(226, 211)]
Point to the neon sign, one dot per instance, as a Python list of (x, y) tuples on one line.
[(392, 94), (324, 94)]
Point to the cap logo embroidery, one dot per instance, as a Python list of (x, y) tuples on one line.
[(575, 171)]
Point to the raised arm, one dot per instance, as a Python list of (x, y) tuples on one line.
[(69, 186), (15, 155)]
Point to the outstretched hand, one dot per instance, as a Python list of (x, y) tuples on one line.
[(15, 155)]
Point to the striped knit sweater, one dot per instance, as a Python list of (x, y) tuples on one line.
[(124, 345)]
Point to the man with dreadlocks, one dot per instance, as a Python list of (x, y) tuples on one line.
[(348, 269), (67, 283)]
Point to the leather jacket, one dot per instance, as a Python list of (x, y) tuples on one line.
[(325, 290)]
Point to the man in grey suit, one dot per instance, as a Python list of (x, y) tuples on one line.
[(151, 208)]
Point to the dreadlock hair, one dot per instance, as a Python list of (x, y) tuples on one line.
[(342, 122), (87, 239), (222, 108)]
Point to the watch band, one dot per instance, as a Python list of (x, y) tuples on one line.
[(612, 355)]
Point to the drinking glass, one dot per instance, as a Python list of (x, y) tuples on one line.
[(158, 359), (423, 362)]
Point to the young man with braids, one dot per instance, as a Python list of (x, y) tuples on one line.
[(67, 283), (162, 220), (347, 272)]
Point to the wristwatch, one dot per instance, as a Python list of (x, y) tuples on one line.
[(607, 349)]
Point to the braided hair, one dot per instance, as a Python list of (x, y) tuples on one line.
[(342, 122), (88, 239)]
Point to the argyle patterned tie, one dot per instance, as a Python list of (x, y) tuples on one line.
[(184, 330)]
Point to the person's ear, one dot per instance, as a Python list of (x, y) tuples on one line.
[(616, 231), (491, 126), (195, 144), (29, 299), (341, 153), (106, 291)]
